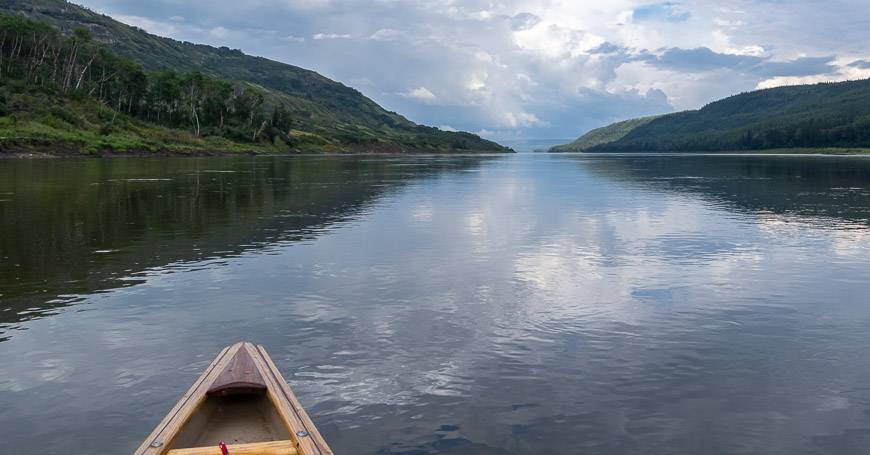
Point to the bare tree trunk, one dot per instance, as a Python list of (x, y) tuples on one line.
[(196, 118), (259, 131), (82, 74), (42, 56), (115, 113), (12, 54), (68, 72)]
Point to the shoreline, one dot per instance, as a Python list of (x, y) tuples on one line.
[(822, 151), (65, 152)]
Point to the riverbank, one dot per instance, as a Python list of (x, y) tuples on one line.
[(49, 150), (782, 151), (89, 129)]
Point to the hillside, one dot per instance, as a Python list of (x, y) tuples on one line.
[(327, 112), (829, 115), (603, 135)]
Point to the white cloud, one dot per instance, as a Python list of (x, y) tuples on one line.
[(149, 25), (420, 94), (751, 50), (386, 34), (218, 32), (485, 133), (325, 36), (522, 119)]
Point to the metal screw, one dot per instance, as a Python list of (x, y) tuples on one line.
[(302, 433), (157, 443)]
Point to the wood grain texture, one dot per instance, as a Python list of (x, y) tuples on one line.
[(241, 376), (309, 441), (159, 441), (257, 448)]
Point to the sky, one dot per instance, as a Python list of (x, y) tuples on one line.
[(531, 69)]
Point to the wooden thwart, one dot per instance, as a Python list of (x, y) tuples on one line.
[(257, 448), (244, 374)]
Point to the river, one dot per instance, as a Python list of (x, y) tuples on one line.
[(521, 304)]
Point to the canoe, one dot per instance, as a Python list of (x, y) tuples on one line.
[(241, 405)]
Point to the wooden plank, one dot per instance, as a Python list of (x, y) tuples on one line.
[(308, 439), (158, 442), (241, 376), (257, 448)]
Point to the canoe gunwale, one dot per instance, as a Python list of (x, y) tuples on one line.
[(304, 434), (302, 429)]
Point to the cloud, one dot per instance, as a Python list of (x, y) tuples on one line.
[(524, 21), (386, 34), (325, 36), (704, 59), (420, 94), (218, 32), (153, 26), (671, 12), (607, 48), (845, 71), (805, 66), (699, 59), (485, 133)]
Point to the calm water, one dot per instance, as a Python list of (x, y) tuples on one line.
[(525, 304)]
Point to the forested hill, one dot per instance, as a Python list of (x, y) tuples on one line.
[(829, 115), (328, 112)]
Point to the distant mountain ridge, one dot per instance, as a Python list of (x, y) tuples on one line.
[(328, 110), (826, 115)]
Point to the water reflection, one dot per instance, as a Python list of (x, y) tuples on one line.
[(73, 227), (521, 305), (820, 189)]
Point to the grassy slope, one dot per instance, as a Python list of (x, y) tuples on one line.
[(603, 135), (723, 125), (332, 113)]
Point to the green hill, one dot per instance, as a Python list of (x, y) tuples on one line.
[(324, 114), (603, 135), (829, 115)]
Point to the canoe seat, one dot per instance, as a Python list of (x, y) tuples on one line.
[(256, 448)]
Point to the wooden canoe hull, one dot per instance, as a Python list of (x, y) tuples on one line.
[(240, 399)]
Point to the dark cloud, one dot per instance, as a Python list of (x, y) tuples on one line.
[(806, 66), (700, 59), (861, 64), (607, 48), (703, 59)]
